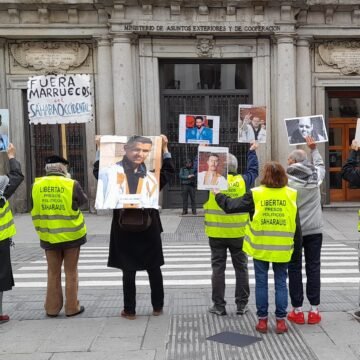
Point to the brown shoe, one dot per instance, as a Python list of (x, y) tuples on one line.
[(125, 315), (158, 312)]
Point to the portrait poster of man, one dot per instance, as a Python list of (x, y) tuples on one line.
[(252, 123), (199, 129), (129, 172), (300, 127), (4, 129), (212, 168)]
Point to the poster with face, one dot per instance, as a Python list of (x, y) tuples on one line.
[(4, 129), (212, 168), (300, 127), (199, 129), (129, 172), (252, 124)]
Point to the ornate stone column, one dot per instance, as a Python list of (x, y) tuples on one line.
[(3, 102), (286, 95), (123, 85), (104, 87), (303, 77)]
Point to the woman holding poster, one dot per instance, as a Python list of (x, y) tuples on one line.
[(272, 236)]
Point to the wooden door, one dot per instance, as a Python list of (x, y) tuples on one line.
[(341, 133)]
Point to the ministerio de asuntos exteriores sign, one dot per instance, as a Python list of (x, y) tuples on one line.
[(198, 27)]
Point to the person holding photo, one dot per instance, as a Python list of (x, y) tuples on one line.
[(350, 172), (8, 185), (273, 235), (138, 247)]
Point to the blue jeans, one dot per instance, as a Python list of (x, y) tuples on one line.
[(261, 288), (312, 251)]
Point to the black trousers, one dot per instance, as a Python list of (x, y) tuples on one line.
[(188, 190), (312, 251), (156, 286)]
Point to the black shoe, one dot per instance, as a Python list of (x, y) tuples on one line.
[(82, 309), (184, 212), (194, 212), (217, 311), (242, 310)]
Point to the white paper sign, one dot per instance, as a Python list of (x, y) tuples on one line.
[(59, 99)]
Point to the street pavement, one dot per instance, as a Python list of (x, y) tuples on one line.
[(100, 333)]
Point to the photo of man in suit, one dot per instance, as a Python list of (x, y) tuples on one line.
[(128, 183)]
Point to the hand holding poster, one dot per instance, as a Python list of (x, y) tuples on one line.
[(252, 123), (300, 127), (212, 168), (59, 99), (129, 172), (199, 129)]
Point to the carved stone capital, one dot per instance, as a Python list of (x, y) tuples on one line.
[(205, 46), (341, 55), (53, 57)]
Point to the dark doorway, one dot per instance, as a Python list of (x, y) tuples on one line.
[(202, 87)]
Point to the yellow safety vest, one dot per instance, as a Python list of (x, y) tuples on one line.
[(270, 235), (219, 224), (53, 217), (7, 226)]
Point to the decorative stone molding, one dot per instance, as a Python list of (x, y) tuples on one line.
[(203, 10), (205, 46), (73, 16), (329, 14), (50, 56), (258, 10), (175, 10), (285, 13), (231, 10), (355, 17), (43, 16), (341, 55), (147, 9), (14, 16)]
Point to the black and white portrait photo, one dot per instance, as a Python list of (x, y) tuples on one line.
[(300, 127)]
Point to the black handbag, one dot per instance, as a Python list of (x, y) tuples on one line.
[(134, 220)]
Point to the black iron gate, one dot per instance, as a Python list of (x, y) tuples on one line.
[(226, 106)]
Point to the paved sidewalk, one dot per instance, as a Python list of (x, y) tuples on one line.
[(99, 333)]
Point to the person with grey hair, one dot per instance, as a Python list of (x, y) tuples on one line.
[(60, 225), (306, 177), (226, 231), (8, 185)]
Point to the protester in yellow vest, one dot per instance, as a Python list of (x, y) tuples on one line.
[(226, 231), (270, 237), (61, 228), (8, 184)]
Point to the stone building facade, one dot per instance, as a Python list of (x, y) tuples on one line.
[(298, 58)]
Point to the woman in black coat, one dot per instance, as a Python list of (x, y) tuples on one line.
[(132, 251)]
